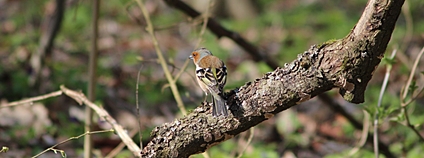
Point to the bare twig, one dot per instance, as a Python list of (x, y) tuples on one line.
[(202, 32), (405, 103), (414, 97), (364, 134), (205, 23), (81, 99), (33, 99), (403, 58), (411, 76), (251, 134), (384, 149), (162, 60), (138, 108), (72, 138), (380, 99), (410, 125), (121, 145), (91, 89), (182, 69)]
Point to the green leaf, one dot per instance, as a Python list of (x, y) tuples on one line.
[(401, 116), (412, 87), (389, 61)]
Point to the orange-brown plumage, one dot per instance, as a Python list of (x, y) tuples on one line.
[(211, 62)]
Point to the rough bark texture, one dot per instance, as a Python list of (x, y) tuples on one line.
[(346, 63)]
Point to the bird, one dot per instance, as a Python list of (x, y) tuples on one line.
[(211, 75)]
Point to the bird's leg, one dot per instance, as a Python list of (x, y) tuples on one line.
[(205, 101)]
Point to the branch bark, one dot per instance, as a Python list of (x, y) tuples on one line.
[(346, 63)]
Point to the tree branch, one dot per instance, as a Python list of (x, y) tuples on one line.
[(52, 24), (346, 63), (118, 129), (220, 31)]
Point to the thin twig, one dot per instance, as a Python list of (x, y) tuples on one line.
[(408, 124), (80, 98), (205, 24), (92, 69), (364, 134), (384, 149), (380, 99), (72, 138), (409, 32), (403, 58), (182, 70), (411, 76), (404, 103), (120, 146), (202, 32), (162, 60), (252, 132), (33, 99), (138, 107), (414, 97)]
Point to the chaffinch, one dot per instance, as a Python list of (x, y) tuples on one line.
[(211, 75)]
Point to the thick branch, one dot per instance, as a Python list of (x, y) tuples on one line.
[(366, 44), (347, 63)]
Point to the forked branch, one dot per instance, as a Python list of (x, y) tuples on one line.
[(346, 63)]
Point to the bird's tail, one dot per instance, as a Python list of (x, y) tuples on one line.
[(219, 106)]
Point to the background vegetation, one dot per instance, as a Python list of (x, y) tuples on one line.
[(281, 28)]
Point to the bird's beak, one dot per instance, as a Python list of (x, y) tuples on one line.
[(190, 57)]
